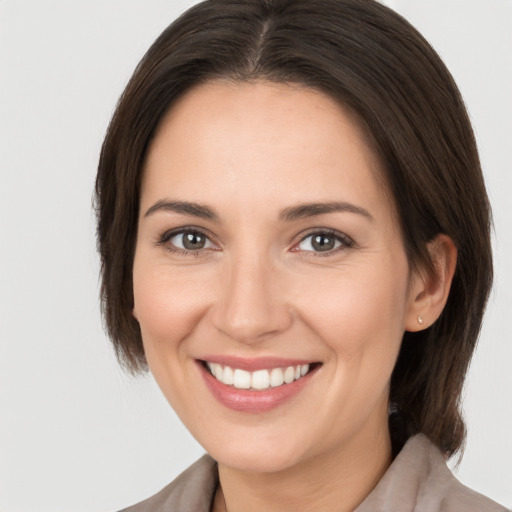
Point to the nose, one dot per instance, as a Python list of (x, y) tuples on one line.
[(252, 305)]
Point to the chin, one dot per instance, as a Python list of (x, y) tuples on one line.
[(255, 459)]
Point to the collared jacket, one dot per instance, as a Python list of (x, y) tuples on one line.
[(418, 480)]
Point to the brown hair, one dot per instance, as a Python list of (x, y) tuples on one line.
[(373, 61)]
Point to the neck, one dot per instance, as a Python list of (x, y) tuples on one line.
[(339, 481)]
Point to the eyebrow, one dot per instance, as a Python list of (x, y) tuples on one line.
[(303, 211), (289, 214), (183, 207)]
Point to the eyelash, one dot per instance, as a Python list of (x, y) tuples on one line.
[(345, 242), (165, 238)]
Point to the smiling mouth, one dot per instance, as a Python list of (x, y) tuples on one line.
[(259, 380)]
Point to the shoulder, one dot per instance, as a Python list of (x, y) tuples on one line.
[(459, 497), (193, 490), (444, 490), (419, 481)]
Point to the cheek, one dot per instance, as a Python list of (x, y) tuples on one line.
[(168, 304), (359, 317), (356, 311)]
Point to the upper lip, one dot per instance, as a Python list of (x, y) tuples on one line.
[(254, 364)]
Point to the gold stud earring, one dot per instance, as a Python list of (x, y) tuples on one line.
[(420, 319)]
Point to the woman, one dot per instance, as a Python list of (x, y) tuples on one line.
[(294, 234)]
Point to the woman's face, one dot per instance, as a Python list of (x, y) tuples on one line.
[(267, 248)]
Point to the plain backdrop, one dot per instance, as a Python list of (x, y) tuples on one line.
[(76, 434)]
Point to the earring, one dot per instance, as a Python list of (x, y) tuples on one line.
[(420, 319)]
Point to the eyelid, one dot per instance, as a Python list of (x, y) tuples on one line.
[(346, 241), (166, 236)]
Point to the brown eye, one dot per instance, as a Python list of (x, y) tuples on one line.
[(193, 241), (323, 241), (190, 241)]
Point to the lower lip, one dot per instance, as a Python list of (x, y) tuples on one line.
[(245, 400)]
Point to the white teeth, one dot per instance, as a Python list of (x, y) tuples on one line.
[(289, 374), (276, 377), (227, 376), (218, 371), (241, 379), (258, 380)]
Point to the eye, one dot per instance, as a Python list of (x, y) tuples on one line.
[(186, 240), (323, 241)]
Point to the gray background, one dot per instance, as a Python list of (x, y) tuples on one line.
[(76, 434)]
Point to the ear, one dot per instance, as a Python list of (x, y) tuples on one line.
[(429, 291), (134, 314)]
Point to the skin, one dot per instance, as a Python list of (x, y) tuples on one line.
[(258, 288)]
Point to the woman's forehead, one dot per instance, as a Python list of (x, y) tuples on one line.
[(260, 139)]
